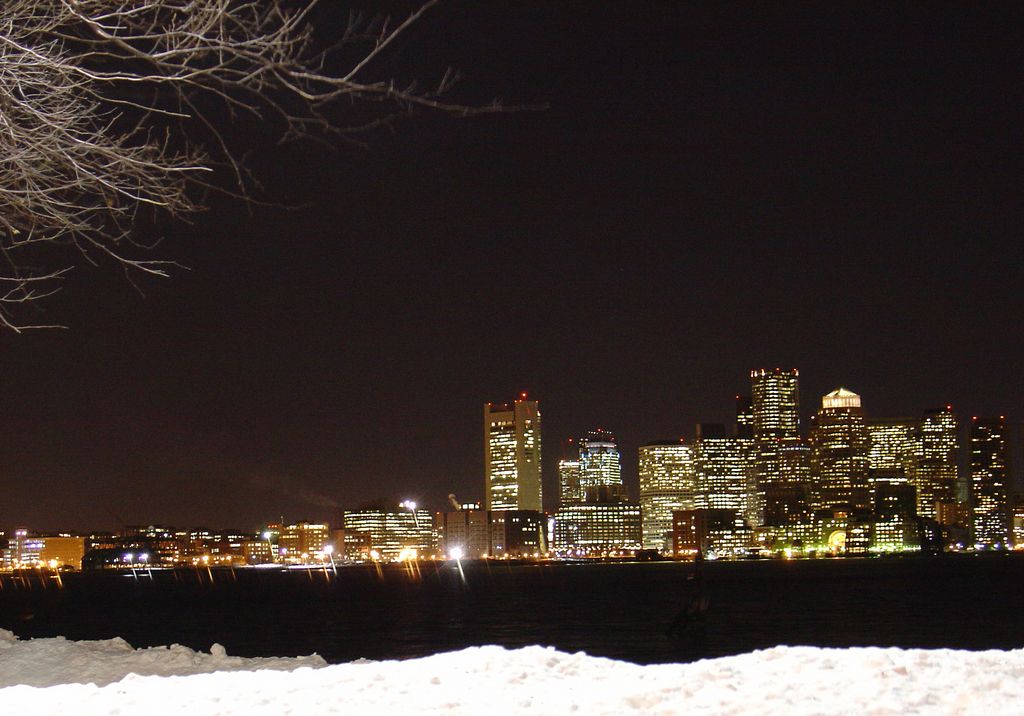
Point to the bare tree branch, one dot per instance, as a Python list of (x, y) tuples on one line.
[(102, 102)]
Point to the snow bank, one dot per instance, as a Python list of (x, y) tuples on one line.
[(492, 680), (47, 662)]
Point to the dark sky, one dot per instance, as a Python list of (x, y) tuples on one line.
[(715, 187)]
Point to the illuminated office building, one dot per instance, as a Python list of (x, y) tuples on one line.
[(787, 500), (989, 482), (891, 451), (775, 399), (604, 522), (667, 483), (569, 490), (723, 469), (935, 463), (512, 455), (923, 453), (23, 549), (895, 534), (840, 448), (261, 551), (717, 532), (598, 528), (599, 461), (303, 543), (780, 457), (391, 533)]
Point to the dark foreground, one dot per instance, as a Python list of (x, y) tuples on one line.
[(616, 610)]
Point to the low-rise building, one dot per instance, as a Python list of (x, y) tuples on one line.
[(593, 528), (393, 534), (710, 532)]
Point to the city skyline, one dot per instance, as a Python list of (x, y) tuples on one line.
[(514, 431), (711, 189)]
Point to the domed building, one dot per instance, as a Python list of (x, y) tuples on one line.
[(840, 447)]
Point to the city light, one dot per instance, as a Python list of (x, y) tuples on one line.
[(849, 485)]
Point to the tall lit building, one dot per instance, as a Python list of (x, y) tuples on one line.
[(599, 461), (989, 482), (512, 455), (775, 423), (794, 458), (775, 398), (935, 463), (723, 471), (891, 451), (570, 492), (667, 483), (840, 448)]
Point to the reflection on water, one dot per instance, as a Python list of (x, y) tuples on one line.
[(617, 610)]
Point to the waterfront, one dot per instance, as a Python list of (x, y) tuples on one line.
[(615, 610)]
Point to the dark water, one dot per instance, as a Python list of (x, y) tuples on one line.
[(616, 610)]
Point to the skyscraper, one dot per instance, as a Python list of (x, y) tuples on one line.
[(599, 461), (512, 455), (776, 403), (569, 490), (722, 467), (780, 458), (891, 454), (989, 476), (840, 447), (935, 464), (667, 483)]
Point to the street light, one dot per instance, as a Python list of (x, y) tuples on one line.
[(270, 545), (411, 506)]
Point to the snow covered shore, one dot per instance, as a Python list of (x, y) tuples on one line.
[(50, 676)]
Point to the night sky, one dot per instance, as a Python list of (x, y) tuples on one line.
[(715, 187)]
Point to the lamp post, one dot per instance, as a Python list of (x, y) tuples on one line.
[(329, 551), (270, 546)]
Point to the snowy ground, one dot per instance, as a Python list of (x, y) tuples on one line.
[(51, 676)]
